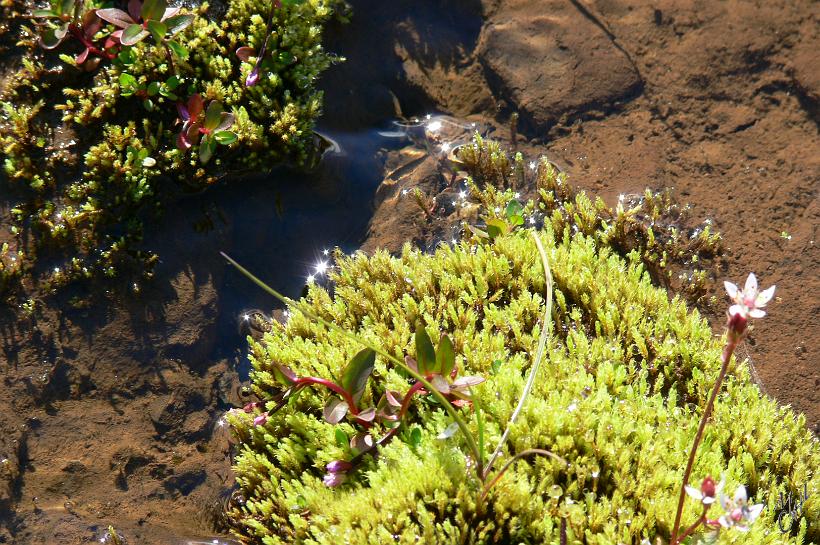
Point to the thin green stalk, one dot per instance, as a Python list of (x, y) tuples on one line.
[(539, 355), (529, 452), (465, 430)]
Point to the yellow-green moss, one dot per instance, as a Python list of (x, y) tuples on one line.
[(606, 400)]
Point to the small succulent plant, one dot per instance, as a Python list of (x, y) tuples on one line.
[(206, 127), (130, 86), (69, 18), (152, 17)]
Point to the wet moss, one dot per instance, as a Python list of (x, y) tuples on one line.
[(91, 160)]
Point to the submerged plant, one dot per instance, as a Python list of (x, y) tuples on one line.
[(97, 152)]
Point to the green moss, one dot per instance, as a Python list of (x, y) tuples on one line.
[(91, 161), (619, 397)]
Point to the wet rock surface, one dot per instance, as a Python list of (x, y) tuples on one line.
[(110, 414)]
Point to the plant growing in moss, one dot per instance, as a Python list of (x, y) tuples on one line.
[(628, 375), (86, 150), (606, 401)]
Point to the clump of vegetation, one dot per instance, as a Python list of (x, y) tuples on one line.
[(627, 374), (110, 109), (649, 224)]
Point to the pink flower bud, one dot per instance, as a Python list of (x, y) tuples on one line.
[(339, 466), (260, 420), (252, 78), (708, 487)]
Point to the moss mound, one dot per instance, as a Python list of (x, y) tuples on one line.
[(95, 140), (606, 399)]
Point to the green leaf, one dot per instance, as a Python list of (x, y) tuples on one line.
[(128, 84), (126, 56), (178, 23), (342, 440), (415, 436), (497, 227), (178, 49), (157, 30), (514, 208), (515, 213), (44, 13), (153, 10), (425, 353), (148, 104), (66, 7), (153, 88), (355, 375), (213, 115), (172, 82), (496, 367), (286, 57), (445, 356), (52, 37), (207, 146), (133, 34), (225, 137)]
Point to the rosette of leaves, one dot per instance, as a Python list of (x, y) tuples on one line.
[(207, 127), (149, 91), (152, 17), (67, 18)]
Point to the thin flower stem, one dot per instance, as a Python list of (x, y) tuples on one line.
[(330, 385), (694, 526), (445, 403), (511, 461), (731, 343), (542, 343)]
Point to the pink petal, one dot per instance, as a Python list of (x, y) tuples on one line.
[(731, 289), (751, 284), (757, 313), (764, 297), (737, 310)]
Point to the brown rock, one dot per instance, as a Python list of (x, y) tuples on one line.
[(550, 61)]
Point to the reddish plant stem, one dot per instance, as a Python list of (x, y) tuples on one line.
[(694, 526), (330, 385), (731, 343), (80, 35)]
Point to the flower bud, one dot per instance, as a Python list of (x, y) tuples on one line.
[(736, 323), (708, 487), (260, 420)]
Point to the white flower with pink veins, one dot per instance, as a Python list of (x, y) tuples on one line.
[(748, 302), (739, 514)]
